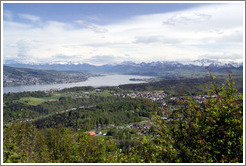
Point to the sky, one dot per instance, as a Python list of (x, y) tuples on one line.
[(111, 33)]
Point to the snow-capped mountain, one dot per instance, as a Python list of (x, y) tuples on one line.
[(200, 62), (217, 63), (143, 68)]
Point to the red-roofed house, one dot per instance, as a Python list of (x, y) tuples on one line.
[(92, 133)]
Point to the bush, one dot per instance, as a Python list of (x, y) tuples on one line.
[(207, 131)]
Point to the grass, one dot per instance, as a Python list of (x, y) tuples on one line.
[(103, 93), (103, 136), (159, 91), (33, 100), (36, 101)]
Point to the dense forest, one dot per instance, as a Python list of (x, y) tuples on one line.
[(162, 122)]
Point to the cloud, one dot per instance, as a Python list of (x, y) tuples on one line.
[(107, 44), (93, 18), (103, 59), (23, 47), (223, 57), (19, 51), (91, 26), (232, 37), (63, 57), (193, 33), (187, 18), (156, 39), (29, 17), (8, 15)]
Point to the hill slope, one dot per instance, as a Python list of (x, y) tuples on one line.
[(22, 76)]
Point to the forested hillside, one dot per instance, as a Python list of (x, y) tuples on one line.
[(148, 124)]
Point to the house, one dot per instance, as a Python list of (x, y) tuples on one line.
[(98, 90), (92, 133)]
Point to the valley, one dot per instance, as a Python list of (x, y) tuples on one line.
[(117, 115)]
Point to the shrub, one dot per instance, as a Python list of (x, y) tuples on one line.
[(206, 131)]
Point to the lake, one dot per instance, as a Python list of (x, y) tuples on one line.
[(101, 81)]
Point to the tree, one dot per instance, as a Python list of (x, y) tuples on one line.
[(19, 142), (211, 131)]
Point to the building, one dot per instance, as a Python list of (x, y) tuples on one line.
[(92, 133)]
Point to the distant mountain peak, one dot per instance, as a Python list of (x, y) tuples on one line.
[(127, 63), (78, 66), (216, 62)]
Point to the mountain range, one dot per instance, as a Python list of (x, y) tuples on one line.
[(164, 69)]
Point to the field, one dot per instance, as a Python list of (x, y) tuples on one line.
[(32, 100)]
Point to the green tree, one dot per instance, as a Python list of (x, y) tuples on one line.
[(211, 131), (19, 143)]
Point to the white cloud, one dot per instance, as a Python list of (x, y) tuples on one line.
[(180, 35), (157, 39), (187, 18), (91, 26), (104, 59), (29, 17), (8, 15)]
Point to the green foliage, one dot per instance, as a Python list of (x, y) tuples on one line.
[(32, 100), (205, 131), (25, 144), (188, 86), (19, 143), (19, 107), (211, 131), (118, 111)]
